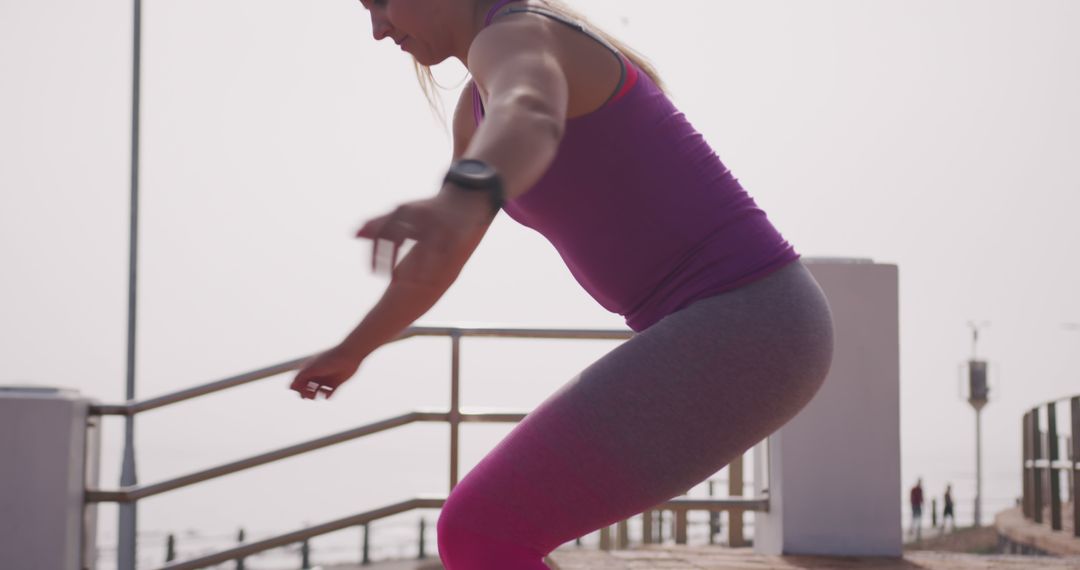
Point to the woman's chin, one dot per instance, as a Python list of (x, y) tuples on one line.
[(427, 59)]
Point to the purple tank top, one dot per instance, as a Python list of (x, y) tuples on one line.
[(643, 212)]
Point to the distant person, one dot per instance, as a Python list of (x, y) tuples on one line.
[(916, 510), (570, 133), (947, 513)]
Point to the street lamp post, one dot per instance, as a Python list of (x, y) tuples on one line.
[(978, 396), (127, 520)]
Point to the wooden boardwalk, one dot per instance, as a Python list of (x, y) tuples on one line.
[(1010, 523), (717, 558), (721, 558), (1013, 525)]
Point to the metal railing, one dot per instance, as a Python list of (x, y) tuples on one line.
[(455, 417), (1043, 463)]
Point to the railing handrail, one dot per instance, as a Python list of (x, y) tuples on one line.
[(1041, 462), (131, 408), (307, 533), (1057, 401), (454, 417), (135, 493), (427, 502)]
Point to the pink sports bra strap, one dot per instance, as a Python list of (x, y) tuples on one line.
[(628, 72), (494, 9)]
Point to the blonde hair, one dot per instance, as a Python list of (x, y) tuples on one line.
[(428, 83)]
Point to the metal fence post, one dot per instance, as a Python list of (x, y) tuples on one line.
[(622, 535), (647, 527), (423, 524), (365, 559), (714, 516), (1025, 471), (305, 555), (1055, 477), (1036, 471), (455, 404), (1074, 412), (735, 489), (680, 526), (170, 548), (240, 540)]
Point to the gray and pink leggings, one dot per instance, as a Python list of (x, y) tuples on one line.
[(645, 423)]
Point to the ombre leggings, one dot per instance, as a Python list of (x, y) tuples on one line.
[(645, 423)]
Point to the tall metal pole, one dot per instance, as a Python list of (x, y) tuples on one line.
[(978, 468), (126, 549), (978, 396)]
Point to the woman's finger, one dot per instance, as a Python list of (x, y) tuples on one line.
[(383, 256), (372, 226)]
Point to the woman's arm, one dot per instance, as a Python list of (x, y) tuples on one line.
[(455, 223), (417, 286), (526, 113), (516, 65)]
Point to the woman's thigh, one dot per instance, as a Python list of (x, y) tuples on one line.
[(654, 417)]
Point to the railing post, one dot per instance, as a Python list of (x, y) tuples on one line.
[(365, 557), (647, 526), (1025, 471), (240, 540), (305, 555), (680, 526), (1036, 471), (605, 538), (735, 489), (622, 535), (170, 548), (1055, 477), (423, 524), (1074, 412), (714, 516), (455, 403)]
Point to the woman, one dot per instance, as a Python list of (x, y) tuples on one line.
[(570, 133)]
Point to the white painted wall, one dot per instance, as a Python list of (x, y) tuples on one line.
[(834, 470)]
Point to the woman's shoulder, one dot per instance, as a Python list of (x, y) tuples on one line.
[(591, 69)]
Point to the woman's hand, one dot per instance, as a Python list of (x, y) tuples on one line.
[(325, 372), (446, 229)]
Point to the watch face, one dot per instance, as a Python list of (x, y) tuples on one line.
[(473, 168)]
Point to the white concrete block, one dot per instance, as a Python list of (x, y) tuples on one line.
[(834, 470), (43, 473)]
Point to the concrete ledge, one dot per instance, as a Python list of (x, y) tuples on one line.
[(1017, 531)]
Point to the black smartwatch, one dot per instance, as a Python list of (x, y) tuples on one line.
[(477, 175)]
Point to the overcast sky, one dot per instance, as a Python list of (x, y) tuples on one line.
[(941, 136)]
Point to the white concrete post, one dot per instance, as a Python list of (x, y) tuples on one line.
[(47, 457), (834, 470)]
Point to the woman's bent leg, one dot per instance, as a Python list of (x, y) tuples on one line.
[(643, 424)]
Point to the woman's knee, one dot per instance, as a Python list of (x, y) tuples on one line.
[(470, 539)]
